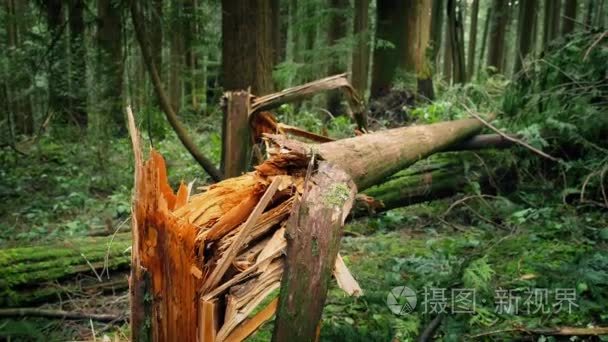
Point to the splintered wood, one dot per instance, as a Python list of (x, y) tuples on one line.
[(217, 256)]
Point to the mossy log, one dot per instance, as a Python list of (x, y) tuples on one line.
[(30, 275), (442, 176), (36, 274)]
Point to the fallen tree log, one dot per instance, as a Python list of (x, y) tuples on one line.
[(62, 269), (36, 274), (432, 179), (201, 264)]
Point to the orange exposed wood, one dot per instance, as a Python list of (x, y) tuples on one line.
[(252, 324)]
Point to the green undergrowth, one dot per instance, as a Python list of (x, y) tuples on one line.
[(519, 248)]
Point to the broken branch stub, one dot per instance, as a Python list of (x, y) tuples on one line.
[(310, 89)]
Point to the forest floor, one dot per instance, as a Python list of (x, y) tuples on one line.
[(488, 263), (505, 266)]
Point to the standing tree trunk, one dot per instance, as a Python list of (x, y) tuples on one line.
[(484, 38), (246, 46), (155, 22), (408, 44), (447, 54), (176, 54), (18, 82), (188, 22), (551, 21), (247, 62), (111, 66), (526, 31), (455, 37), (569, 17), (390, 33), (78, 61), (437, 15), (424, 73), (57, 59), (360, 62), (337, 30), (497, 34), (472, 40)]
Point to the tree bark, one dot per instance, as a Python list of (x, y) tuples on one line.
[(437, 16), (57, 59), (408, 44), (551, 21), (484, 38), (424, 73), (313, 240), (18, 101), (337, 30), (526, 31), (111, 66), (78, 58), (473, 40), (360, 57), (389, 29), (176, 55), (569, 16), (247, 54), (236, 140), (455, 37), (497, 34)]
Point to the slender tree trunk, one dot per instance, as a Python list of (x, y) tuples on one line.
[(569, 16), (589, 13), (337, 30), (360, 63), (18, 80), (109, 39), (188, 21), (484, 39), (279, 32), (390, 29), (408, 44), (447, 54), (78, 57), (246, 46), (455, 37), (424, 74), (551, 21), (156, 25), (176, 55), (437, 16), (497, 34), (526, 31), (472, 40), (57, 58)]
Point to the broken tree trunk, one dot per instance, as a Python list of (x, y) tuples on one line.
[(236, 141), (201, 264), (63, 264)]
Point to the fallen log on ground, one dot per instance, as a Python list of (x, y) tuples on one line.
[(37, 274), (62, 270), (201, 264), (432, 179)]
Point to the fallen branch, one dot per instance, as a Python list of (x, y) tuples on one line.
[(310, 89), (510, 138), (60, 314)]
